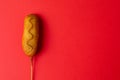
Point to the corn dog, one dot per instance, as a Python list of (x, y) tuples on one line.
[(30, 35)]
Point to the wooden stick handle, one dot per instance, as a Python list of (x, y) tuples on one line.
[(31, 68)]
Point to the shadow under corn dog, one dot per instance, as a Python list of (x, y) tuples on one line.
[(41, 35)]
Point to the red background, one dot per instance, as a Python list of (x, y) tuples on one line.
[(81, 40)]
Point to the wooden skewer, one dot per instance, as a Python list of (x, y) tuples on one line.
[(31, 68)]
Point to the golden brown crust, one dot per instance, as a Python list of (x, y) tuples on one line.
[(30, 35)]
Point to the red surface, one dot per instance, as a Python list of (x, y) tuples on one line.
[(81, 40)]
